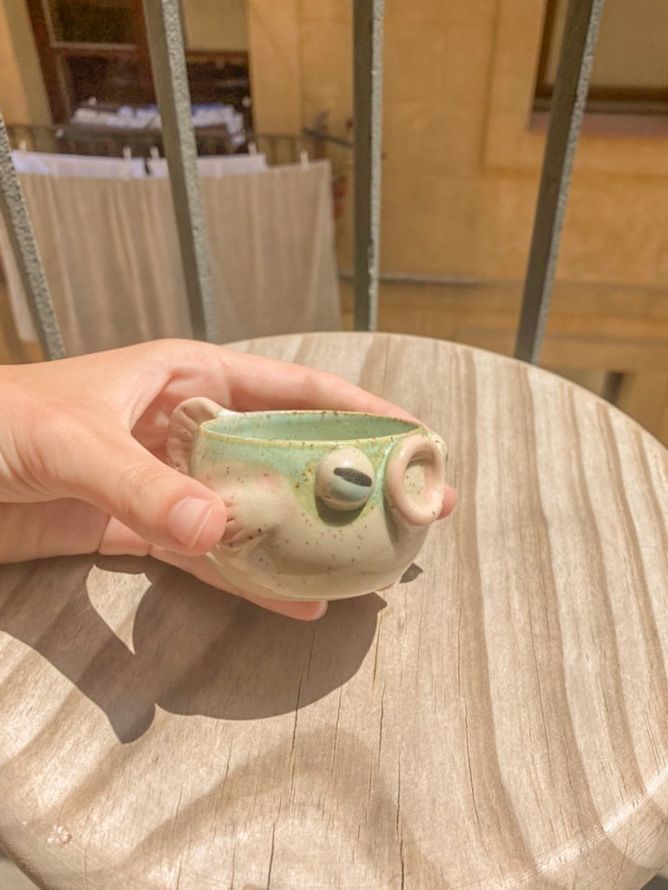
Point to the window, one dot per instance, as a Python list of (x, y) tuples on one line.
[(83, 21), (630, 73), (97, 50)]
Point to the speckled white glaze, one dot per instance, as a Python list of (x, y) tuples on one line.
[(321, 504)]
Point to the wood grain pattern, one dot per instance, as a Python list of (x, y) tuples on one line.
[(500, 721)]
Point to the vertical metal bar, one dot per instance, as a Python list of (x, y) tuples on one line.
[(170, 76), (368, 90), (26, 254), (568, 102)]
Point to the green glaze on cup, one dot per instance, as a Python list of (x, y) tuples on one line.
[(321, 504)]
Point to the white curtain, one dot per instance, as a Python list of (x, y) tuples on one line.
[(216, 165), (272, 249), (111, 255), (94, 167), (78, 165)]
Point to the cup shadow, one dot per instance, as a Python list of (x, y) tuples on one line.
[(197, 651)]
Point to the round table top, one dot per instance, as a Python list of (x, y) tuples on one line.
[(498, 720)]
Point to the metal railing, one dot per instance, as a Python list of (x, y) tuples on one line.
[(165, 35), (24, 246), (568, 102), (100, 141)]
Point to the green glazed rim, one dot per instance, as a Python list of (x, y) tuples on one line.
[(223, 428)]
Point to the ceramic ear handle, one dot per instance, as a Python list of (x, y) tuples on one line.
[(425, 509), (183, 426)]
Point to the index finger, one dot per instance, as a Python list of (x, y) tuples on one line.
[(257, 383), (246, 382)]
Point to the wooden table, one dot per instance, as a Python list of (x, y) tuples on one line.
[(499, 721)]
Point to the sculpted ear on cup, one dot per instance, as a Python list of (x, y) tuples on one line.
[(415, 478), (183, 425)]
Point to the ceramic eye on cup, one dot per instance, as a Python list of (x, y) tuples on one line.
[(416, 504), (345, 479)]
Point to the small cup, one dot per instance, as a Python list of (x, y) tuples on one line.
[(321, 504)]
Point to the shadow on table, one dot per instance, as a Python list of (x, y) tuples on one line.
[(196, 650)]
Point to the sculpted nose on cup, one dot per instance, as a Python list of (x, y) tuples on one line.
[(415, 479)]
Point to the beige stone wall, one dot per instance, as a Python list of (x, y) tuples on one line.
[(461, 164), (274, 33), (460, 179), (22, 95), (216, 24)]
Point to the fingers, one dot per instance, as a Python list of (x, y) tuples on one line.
[(254, 383), (55, 528), (68, 527), (121, 541), (202, 569), (449, 502), (110, 470)]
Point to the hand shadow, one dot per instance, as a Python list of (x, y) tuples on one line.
[(197, 650)]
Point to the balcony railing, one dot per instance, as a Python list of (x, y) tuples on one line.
[(99, 141), (181, 144)]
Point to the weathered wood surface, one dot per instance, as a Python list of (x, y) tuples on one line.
[(500, 721)]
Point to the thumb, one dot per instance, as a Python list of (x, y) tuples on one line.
[(160, 504)]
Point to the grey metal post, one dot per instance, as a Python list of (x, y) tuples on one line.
[(367, 116), (568, 102), (170, 77), (26, 254)]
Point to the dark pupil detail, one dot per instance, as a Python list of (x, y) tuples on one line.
[(354, 476)]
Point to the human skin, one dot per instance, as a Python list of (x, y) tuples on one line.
[(82, 450)]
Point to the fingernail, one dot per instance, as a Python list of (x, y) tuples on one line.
[(187, 520)]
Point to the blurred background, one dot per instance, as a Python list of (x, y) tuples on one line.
[(466, 98)]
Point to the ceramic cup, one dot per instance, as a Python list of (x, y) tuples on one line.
[(321, 504)]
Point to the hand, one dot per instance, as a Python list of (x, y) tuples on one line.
[(82, 450)]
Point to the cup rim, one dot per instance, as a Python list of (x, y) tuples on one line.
[(410, 428)]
